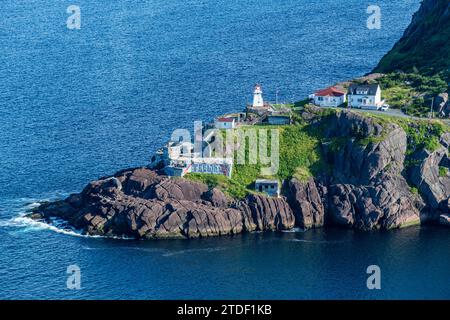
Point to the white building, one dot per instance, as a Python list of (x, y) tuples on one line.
[(329, 97), (181, 167), (178, 159), (172, 151), (175, 150), (225, 123), (258, 101), (221, 166), (365, 96)]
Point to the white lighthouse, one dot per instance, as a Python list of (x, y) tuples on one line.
[(258, 101)]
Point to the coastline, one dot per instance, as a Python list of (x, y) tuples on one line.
[(144, 203), (359, 170)]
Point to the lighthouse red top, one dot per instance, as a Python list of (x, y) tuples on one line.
[(258, 87)]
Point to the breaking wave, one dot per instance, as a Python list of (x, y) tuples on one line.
[(19, 208)]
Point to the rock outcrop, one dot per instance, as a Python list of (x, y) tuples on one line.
[(367, 190), (364, 188), (441, 104), (306, 202), (427, 176), (141, 203)]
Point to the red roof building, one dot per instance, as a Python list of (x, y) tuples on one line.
[(330, 92), (225, 119), (330, 97), (225, 123)]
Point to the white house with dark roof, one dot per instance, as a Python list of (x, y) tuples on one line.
[(365, 96)]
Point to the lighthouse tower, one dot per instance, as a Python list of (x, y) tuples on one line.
[(258, 101)]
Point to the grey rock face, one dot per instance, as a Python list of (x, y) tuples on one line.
[(444, 220), (368, 190), (351, 124), (306, 203), (383, 206), (143, 204), (441, 103), (357, 163), (426, 176), (264, 213)]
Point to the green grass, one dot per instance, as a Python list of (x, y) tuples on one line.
[(421, 134), (221, 182), (301, 104), (300, 153), (443, 172), (299, 156), (412, 92)]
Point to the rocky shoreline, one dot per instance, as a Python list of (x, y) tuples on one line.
[(367, 188)]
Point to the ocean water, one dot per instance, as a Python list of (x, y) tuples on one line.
[(79, 104)]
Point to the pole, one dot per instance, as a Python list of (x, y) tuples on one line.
[(431, 108), (276, 97)]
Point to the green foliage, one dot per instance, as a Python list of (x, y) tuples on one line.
[(299, 149), (300, 153), (421, 134), (299, 156), (412, 92), (443, 172), (230, 187), (425, 47), (424, 135), (301, 104)]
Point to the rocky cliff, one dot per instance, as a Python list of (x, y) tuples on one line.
[(142, 203), (366, 188), (425, 44)]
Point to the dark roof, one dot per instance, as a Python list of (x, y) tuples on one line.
[(370, 88)]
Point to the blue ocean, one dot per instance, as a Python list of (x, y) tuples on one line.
[(76, 105)]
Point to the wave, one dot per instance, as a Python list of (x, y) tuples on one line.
[(20, 207), (317, 241), (173, 253), (294, 230)]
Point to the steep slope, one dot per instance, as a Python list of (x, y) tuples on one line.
[(425, 44)]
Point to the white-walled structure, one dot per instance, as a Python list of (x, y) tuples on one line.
[(330, 97), (365, 96), (181, 167), (258, 101), (225, 123)]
